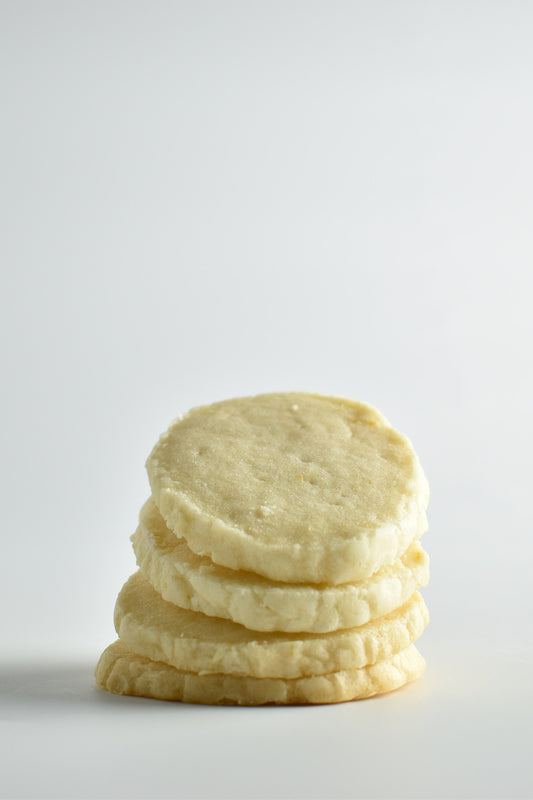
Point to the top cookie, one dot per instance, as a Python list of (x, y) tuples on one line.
[(293, 486)]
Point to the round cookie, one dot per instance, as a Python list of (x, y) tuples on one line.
[(123, 672), (194, 582), (194, 642), (296, 487)]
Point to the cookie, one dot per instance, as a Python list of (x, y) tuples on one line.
[(296, 487), (123, 672), (279, 558), (187, 640), (196, 583)]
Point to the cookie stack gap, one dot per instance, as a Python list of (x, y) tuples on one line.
[(279, 558)]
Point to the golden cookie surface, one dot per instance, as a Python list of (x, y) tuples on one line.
[(196, 583), (123, 672), (296, 487), (194, 642)]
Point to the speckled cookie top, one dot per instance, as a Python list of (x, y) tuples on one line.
[(293, 486)]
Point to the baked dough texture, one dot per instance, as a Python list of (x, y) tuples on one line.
[(295, 487), (190, 641), (122, 672), (195, 582), (279, 558)]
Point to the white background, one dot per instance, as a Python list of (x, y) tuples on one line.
[(209, 199)]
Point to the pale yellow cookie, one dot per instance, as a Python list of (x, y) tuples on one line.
[(194, 642), (123, 672), (293, 486), (196, 583)]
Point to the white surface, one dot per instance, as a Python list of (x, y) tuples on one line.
[(202, 200)]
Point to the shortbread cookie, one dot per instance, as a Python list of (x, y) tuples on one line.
[(123, 672), (190, 641), (196, 583), (296, 487)]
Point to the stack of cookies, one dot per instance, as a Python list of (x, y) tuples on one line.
[(279, 558)]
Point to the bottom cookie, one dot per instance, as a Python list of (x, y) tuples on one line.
[(122, 672)]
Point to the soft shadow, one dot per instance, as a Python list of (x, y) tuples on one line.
[(29, 689), (30, 685)]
